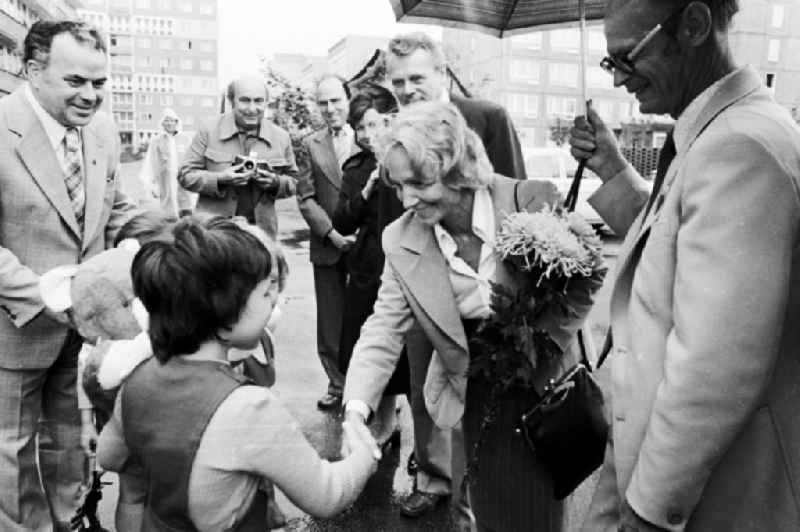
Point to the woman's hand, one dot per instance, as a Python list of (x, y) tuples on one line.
[(369, 187), (357, 437)]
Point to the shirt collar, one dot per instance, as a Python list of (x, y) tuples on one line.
[(687, 117), (53, 129), (346, 132), (483, 222), (229, 129)]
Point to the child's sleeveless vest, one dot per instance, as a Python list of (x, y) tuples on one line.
[(165, 411)]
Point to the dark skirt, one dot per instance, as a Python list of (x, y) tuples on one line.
[(511, 491), (360, 295)]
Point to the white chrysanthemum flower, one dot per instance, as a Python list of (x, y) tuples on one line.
[(557, 243)]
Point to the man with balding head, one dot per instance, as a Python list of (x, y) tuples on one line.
[(706, 365), (213, 167)]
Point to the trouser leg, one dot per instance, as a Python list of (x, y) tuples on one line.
[(61, 458), (329, 288), (432, 445), (23, 506)]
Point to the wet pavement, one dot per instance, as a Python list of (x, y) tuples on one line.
[(301, 381)]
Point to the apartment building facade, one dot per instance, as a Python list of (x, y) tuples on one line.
[(163, 53), (16, 16), (536, 75)]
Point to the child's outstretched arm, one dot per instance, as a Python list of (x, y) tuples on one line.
[(252, 431)]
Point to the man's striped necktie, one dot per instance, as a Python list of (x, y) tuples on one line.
[(73, 169)]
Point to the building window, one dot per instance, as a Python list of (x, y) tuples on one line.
[(777, 16), (146, 99), (165, 44), (207, 47), (165, 5), (599, 78), (187, 45), (185, 6), (523, 104), (163, 63), (207, 102), (560, 106), (525, 70), (187, 64), (563, 74), (207, 9), (531, 41), (143, 61), (207, 66), (774, 50), (187, 101), (597, 41), (167, 99), (566, 40), (142, 4)]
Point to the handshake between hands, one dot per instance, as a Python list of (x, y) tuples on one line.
[(356, 437)]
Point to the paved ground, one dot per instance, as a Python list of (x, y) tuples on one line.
[(301, 381)]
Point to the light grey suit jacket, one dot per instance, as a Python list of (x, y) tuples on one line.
[(416, 285), (38, 229), (705, 310)]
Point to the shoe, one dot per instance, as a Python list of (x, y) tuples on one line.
[(411, 465), (329, 401), (392, 442), (419, 503)]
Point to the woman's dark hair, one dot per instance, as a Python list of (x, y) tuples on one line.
[(196, 283), (145, 227), (373, 97)]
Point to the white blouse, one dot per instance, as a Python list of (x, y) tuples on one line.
[(471, 289)]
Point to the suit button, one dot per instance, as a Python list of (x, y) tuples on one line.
[(674, 517)]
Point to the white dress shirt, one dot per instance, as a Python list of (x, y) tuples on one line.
[(472, 289), (343, 141), (53, 129)]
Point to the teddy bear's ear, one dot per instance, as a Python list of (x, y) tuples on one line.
[(55, 287)]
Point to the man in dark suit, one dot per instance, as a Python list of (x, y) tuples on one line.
[(415, 68), (318, 185), (60, 204)]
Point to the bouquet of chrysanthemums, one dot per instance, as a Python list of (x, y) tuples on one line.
[(556, 259)]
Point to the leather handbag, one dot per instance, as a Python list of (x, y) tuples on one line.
[(567, 429)]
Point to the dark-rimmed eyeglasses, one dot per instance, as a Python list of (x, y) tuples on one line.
[(625, 64)]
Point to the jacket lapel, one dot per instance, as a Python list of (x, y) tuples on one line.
[(95, 166), (326, 158), (423, 269), (740, 85), (39, 158)]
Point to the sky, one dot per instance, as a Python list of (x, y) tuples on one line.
[(252, 28)]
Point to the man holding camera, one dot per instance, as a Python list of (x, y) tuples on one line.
[(244, 162)]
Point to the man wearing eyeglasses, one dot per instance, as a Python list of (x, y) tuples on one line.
[(706, 364)]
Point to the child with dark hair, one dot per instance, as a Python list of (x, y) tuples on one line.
[(206, 436)]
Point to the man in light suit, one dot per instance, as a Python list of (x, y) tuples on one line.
[(318, 185), (60, 204), (706, 364)]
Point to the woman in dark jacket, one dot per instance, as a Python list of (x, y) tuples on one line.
[(358, 212)]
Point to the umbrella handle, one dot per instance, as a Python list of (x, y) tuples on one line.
[(571, 200)]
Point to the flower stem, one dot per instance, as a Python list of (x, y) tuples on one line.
[(489, 417)]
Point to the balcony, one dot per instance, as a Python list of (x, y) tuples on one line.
[(12, 31), (8, 82)]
